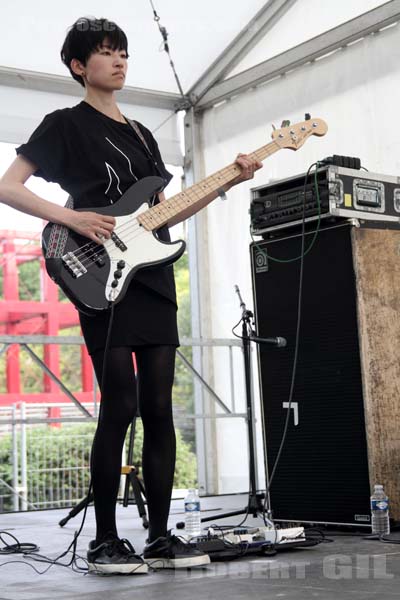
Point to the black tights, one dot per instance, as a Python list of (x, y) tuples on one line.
[(155, 371)]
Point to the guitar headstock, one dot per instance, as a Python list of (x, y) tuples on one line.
[(294, 136)]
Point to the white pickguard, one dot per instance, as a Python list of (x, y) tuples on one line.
[(142, 248)]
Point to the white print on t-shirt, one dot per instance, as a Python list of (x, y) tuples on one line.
[(110, 168)]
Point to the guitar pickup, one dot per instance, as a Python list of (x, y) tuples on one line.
[(74, 265), (118, 242), (97, 259)]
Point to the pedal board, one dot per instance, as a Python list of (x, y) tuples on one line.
[(233, 543)]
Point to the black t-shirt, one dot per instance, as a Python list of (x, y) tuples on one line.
[(96, 159)]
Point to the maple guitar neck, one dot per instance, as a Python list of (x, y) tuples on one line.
[(291, 137), (162, 213)]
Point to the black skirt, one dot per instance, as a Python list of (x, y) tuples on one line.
[(142, 318)]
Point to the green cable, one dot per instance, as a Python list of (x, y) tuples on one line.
[(315, 232)]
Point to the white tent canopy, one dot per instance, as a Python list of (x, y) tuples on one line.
[(32, 36), (198, 35)]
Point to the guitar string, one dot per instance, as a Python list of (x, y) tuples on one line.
[(88, 249), (92, 247), (265, 150), (95, 251), (91, 260), (98, 250), (121, 229), (102, 249)]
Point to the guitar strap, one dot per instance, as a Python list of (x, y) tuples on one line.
[(140, 135), (58, 236), (135, 126)]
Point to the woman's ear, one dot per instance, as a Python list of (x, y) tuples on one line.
[(77, 67)]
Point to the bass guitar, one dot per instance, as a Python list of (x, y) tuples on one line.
[(92, 275)]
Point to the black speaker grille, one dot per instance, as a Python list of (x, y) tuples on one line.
[(323, 470)]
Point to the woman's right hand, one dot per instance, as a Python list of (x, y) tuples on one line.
[(92, 225)]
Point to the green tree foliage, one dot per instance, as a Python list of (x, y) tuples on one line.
[(53, 455), (29, 281)]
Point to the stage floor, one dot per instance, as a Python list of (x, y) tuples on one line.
[(347, 567)]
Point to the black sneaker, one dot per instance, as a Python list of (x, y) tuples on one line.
[(115, 556), (173, 552)]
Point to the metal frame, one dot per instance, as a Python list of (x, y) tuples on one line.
[(209, 90), (199, 286), (24, 340), (329, 41), (60, 84), (260, 24), (60, 384), (203, 420)]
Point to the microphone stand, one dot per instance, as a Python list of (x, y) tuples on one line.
[(255, 505)]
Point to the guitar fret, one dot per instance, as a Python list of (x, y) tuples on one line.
[(159, 215)]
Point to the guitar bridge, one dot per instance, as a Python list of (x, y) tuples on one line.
[(74, 265)]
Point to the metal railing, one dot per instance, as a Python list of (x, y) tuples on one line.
[(40, 471)]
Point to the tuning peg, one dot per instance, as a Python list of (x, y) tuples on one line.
[(273, 127), (307, 117), (285, 123)]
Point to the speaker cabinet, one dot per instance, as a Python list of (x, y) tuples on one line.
[(343, 433)]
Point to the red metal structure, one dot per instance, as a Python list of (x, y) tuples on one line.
[(27, 317)]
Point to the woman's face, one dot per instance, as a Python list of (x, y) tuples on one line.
[(106, 68)]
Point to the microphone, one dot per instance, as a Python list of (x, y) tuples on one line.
[(242, 304), (279, 342)]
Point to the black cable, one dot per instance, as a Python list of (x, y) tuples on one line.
[(384, 538), (165, 120), (303, 253), (297, 336), (165, 45), (315, 533), (289, 260), (186, 102), (29, 549), (18, 547)]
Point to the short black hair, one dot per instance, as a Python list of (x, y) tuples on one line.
[(85, 36)]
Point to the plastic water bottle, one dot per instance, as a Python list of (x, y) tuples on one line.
[(192, 513), (380, 511)]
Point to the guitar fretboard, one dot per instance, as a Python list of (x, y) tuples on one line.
[(165, 211)]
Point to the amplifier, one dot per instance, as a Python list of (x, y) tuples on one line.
[(343, 433), (371, 200)]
